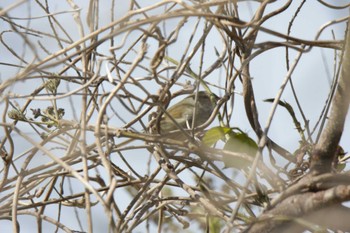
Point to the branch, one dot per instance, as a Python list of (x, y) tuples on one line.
[(304, 211), (325, 150)]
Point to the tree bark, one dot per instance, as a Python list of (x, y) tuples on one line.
[(311, 206)]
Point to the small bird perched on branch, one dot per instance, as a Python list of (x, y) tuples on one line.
[(181, 114)]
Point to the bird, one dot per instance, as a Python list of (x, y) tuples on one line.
[(182, 112)]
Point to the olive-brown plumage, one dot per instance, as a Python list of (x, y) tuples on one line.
[(182, 112)]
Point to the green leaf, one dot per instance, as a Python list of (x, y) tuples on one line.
[(215, 224), (340, 164), (215, 134), (340, 167), (235, 140), (239, 142)]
